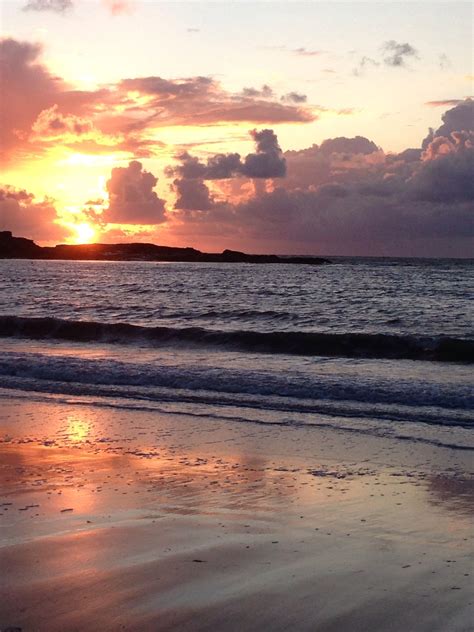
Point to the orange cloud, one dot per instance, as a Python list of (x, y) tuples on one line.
[(21, 213), (51, 124), (38, 108)]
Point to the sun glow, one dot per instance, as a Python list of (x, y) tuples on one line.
[(85, 233), (78, 429)]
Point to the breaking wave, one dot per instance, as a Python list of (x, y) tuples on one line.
[(351, 345)]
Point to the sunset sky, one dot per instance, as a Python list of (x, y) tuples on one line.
[(285, 127)]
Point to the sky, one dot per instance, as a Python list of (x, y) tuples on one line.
[(333, 128)]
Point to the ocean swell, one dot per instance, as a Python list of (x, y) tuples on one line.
[(352, 345)]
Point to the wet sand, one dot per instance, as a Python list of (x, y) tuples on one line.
[(118, 519)]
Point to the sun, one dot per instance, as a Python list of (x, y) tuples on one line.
[(85, 234)]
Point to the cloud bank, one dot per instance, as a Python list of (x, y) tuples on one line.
[(342, 196), (346, 196)]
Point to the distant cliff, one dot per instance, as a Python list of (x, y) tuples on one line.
[(20, 248)]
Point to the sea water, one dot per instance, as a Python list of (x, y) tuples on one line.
[(375, 346)]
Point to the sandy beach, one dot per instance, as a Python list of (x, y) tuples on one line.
[(124, 519)]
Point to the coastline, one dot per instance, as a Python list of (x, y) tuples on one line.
[(21, 248), (201, 524)]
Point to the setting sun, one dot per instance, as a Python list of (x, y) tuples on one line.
[(85, 234)]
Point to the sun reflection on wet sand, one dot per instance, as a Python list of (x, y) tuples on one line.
[(78, 429), (99, 495)]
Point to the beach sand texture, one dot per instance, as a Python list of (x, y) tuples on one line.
[(114, 519)]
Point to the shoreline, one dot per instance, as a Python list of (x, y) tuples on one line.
[(131, 520), (21, 248)]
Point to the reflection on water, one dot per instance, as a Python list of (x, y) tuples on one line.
[(111, 509), (453, 493), (78, 428), (109, 465)]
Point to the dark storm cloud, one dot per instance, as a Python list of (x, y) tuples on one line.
[(267, 162), (132, 199), (397, 54)]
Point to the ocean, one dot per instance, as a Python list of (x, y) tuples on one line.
[(369, 346)]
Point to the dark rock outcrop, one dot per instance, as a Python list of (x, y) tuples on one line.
[(20, 248)]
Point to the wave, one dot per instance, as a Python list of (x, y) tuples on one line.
[(353, 345), (391, 396), (325, 419), (396, 399)]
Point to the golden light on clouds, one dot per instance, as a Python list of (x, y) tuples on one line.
[(275, 147)]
